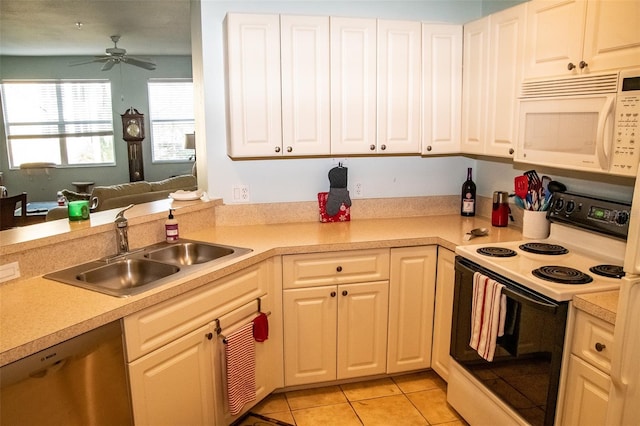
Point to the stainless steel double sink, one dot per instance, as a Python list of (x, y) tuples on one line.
[(141, 270)]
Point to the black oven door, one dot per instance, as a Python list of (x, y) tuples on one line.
[(525, 371)]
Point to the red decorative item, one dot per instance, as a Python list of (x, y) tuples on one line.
[(343, 216)]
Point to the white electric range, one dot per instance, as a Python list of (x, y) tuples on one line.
[(587, 239)]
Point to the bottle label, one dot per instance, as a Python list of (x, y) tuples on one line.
[(171, 232), (468, 205)]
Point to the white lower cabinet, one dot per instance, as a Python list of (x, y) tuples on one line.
[(174, 384), (587, 394), (335, 308), (334, 332), (587, 379), (411, 303), (176, 357), (445, 280)]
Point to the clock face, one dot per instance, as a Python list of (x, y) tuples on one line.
[(133, 129)]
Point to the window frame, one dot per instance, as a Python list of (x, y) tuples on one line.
[(187, 154), (63, 136)]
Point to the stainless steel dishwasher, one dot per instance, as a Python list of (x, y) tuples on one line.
[(81, 381)]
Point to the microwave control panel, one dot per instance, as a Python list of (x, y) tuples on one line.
[(625, 154)]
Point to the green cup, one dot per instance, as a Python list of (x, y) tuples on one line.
[(79, 210)]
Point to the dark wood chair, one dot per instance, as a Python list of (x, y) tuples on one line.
[(8, 207)]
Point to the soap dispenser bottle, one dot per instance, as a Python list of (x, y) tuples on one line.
[(171, 228)]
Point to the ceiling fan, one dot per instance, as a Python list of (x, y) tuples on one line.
[(116, 55)]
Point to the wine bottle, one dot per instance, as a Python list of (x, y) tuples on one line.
[(468, 200)]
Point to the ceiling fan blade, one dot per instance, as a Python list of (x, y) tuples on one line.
[(139, 63), (108, 65), (89, 61)]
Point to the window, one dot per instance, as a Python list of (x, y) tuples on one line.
[(171, 117), (65, 122)]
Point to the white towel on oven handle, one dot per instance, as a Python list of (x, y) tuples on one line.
[(488, 314)]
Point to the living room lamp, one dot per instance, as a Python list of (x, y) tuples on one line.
[(190, 143)]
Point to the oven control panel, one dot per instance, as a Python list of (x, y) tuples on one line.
[(605, 216)]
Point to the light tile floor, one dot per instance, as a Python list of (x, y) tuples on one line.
[(413, 399)]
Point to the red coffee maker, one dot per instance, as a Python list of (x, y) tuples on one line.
[(500, 211)]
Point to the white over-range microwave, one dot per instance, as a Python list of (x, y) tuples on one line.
[(587, 123)]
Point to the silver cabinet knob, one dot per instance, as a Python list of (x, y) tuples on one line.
[(372, 147), (289, 149), (277, 149), (583, 65)]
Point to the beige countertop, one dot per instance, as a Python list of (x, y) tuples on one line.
[(37, 313), (603, 305)]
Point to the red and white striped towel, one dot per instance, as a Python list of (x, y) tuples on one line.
[(488, 312), (241, 368)]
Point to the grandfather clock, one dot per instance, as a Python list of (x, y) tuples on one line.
[(133, 134)]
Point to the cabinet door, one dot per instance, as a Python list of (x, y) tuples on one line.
[(411, 299), (362, 329), (353, 85), (506, 56), (612, 35), (174, 384), (445, 281), (253, 85), (399, 87), (587, 394), (554, 37), (474, 87), (304, 53), (309, 335), (441, 88)]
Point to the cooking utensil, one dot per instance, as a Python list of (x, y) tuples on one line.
[(521, 186), (534, 180), (555, 186), (545, 187), (476, 232)]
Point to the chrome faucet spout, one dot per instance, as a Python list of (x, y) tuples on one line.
[(121, 231)]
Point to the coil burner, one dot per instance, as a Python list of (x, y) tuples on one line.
[(544, 248), (609, 271), (496, 252), (562, 275)]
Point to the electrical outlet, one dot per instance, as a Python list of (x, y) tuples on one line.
[(357, 190), (240, 194), (9, 271)]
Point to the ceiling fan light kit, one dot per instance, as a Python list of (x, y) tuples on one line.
[(116, 55)]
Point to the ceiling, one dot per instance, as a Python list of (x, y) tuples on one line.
[(49, 27)]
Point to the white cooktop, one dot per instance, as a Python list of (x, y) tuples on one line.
[(586, 249)]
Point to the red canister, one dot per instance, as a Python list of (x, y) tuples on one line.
[(500, 211)]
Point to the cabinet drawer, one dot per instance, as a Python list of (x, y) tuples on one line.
[(593, 341), (318, 269), (158, 325)]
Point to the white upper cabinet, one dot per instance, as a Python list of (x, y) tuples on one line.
[(253, 85), (474, 86), (493, 61), (506, 56), (353, 85), (305, 85), (399, 87), (569, 37), (441, 88)]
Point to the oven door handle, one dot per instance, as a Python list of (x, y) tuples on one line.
[(537, 303)]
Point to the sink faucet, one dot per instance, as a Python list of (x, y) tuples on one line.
[(121, 231)]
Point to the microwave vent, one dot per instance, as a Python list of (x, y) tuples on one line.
[(572, 86)]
